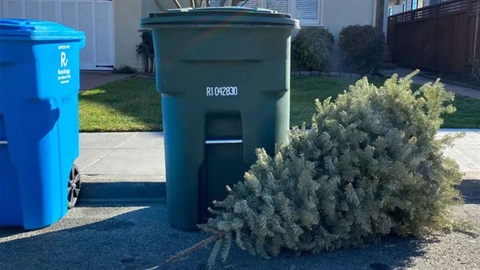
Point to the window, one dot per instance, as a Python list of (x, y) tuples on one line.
[(414, 4), (215, 3), (278, 5), (307, 11), (251, 3), (390, 11)]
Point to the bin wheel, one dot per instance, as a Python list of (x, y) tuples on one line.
[(74, 185)]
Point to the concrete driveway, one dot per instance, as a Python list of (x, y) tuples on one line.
[(91, 79)]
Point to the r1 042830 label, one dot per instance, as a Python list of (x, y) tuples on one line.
[(222, 91)]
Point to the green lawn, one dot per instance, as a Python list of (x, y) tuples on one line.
[(304, 91), (134, 105), (467, 114), (127, 105)]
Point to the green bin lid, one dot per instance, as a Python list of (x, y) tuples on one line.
[(220, 16)]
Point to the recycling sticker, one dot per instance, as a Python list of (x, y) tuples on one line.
[(63, 72)]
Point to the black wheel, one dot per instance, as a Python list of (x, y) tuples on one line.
[(74, 185)]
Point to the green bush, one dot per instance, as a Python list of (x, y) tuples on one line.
[(363, 48), (311, 48), (124, 69), (370, 166)]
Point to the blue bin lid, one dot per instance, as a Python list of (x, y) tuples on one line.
[(22, 29)]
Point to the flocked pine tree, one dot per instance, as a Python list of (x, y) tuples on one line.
[(369, 166)]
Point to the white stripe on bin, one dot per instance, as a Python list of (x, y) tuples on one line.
[(222, 141), (3, 142)]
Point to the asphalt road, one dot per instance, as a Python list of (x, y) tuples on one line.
[(139, 237)]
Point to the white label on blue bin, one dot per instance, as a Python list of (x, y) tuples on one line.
[(63, 72), (222, 91)]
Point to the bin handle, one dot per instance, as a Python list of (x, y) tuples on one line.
[(223, 141), (3, 142)]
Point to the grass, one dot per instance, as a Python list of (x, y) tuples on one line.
[(133, 104), (467, 114), (127, 105), (304, 91)]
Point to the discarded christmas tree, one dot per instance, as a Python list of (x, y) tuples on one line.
[(369, 166)]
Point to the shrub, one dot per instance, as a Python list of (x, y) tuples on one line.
[(362, 47), (124, 69), (370, 166), (311, 48)]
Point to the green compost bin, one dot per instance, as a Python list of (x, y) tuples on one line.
[(224, 77)]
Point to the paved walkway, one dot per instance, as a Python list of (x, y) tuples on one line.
[(402, 72), (92, 79), (122, 167), (131, 165)]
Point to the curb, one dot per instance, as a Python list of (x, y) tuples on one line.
[(148, 192), (324, 74), (122, 192)]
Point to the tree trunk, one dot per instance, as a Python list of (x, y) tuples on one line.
[(145, 63), (152, 64)]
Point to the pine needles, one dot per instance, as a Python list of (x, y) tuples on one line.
[(370, 166)]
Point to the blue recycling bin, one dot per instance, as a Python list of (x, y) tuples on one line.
[(39, 84)]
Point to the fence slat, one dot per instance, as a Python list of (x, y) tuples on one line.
[(439, 38)]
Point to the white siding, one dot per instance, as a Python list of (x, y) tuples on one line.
[(93, 17)]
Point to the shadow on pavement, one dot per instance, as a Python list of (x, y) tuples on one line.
[(139, 237), (94, 192), (470, 189), (122, 192)]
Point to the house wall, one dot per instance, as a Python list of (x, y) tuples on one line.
[(128, 14), (334, 16), (385, 17), (149, 6), (338, 14), (127, 24)]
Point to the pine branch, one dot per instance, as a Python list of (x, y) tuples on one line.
[(214, 254), (194, 248), (369, 166)]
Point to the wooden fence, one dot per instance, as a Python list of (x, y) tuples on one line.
[(441, 38)]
